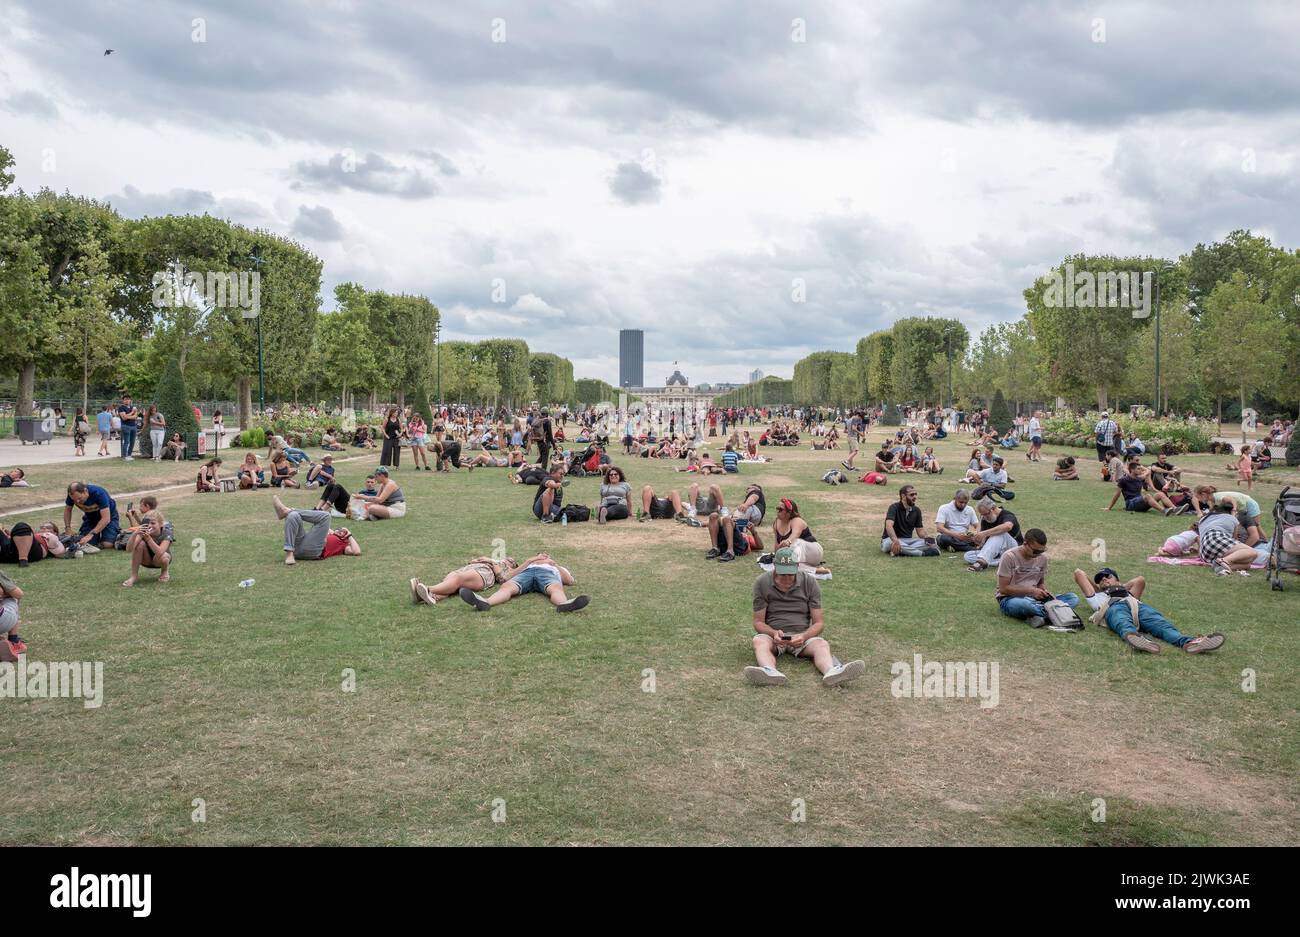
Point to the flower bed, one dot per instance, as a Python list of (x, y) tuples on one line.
[(1176, 435)]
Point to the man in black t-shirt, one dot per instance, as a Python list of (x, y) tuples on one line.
[(1138, 492), (904, 533)]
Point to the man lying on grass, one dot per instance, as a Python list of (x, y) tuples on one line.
[(789, 620), (539, 574), (307, 535), (1117, 603)]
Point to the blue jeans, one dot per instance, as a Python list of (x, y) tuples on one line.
[(295, 456), (536, 579), (106, 536), (128, 440), (1022, 606), (1120, 620)]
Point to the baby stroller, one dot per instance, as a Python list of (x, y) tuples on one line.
[(1284, 549)]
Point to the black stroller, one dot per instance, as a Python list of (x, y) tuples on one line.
[(1284, 548)]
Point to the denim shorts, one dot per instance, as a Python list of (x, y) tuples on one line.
[(537, 579)]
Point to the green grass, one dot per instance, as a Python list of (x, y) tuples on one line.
[(234, 696)]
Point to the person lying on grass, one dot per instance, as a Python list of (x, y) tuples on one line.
[(307, 535), (10, 644), (388, 501), (539, 574), (1138, 491), (150, 546), (14, 478), (21, 545), (479, 573), (788, 619), (1022, 580), (334, 498), (1118, 604), (904, 533)]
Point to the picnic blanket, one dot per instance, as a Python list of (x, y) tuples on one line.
[(1189, 561)]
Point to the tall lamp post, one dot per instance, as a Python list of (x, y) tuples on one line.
[(1156, 300), (437, 342), (261, 378)]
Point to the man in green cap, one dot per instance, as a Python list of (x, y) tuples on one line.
[(788, 618)]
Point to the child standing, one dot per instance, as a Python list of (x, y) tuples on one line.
[(1245, 468)]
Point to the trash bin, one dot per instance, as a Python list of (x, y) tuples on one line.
[(34, 429)]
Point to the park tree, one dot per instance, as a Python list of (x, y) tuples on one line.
[(87, 337), (844, 383), (467, 376), (343, 340), (1082, 344), (1242, 341), (1207, 265), (812, 378), (876, 353), (999, 412), (915, 343), (509, 359), (174, 401)]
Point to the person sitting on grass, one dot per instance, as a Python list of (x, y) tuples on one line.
[(955, 523), (904, 533), (251, 474), (1022, 577), (330, 440), (539, 574), (388, 501), (994, 476), (1138, 492), (320, 474), (209, 477), (135, 520), (730, 459), (174, 449), (615, 497), (730, 536), (11, 645), (1065, 470), (929, 464), (549, 500), (14, 478), (361, 438), (99, 521), (307, 535), (282, 471), (1119, 605), (151, 547), (885, 461), (660, 509), (334, 497), (789, 529), (480, 573), (999, 531), (1221, 545), (789, 619)]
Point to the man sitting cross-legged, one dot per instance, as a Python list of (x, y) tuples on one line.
[(1022, 577), (956, 523), (314, 542), (1118, 604), (999, 531), (789, 620), (539, 574), (904, 533)]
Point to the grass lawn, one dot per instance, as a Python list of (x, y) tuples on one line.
[(235, 696)]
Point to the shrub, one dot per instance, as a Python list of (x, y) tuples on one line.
[(1176, 435), (254, 438), (891, 417), (1293, 450), (174, 402), (1000, 413)]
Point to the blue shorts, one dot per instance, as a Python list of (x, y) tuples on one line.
[(536, 579), (537, 508), (1036, 440), (1136, 504)]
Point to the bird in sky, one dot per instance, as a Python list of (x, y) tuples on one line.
[(108, 51)]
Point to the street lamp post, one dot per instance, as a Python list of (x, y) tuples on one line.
[(437, 343), (1156, 300), (261, 376)]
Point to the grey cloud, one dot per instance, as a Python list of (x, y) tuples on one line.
[(317, 223), (370, 173), (443, 164), (633, 185), (33, 104), (133, 203)]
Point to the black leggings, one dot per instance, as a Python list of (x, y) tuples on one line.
[(615, 512)]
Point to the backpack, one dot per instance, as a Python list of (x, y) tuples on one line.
[(835, 477), (1061, 617), (576, 512)]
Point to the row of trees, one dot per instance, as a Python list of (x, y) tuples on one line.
[(94, 299), (770, 391), (1229, 329)]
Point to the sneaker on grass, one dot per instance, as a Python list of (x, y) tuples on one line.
[(764, 676), (581, 601), (1140, 642), (424, 595), (89, 548), (843, 673), (713, 553), (727, 557), (1205, 642), (473, 598)]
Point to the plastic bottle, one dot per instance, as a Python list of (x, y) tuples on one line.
[(564, 520), (245, 583)]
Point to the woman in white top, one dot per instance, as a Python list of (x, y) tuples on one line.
[(218, 428), (157, 424)]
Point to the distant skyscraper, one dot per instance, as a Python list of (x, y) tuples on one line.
[(755, 375), (631, 358)]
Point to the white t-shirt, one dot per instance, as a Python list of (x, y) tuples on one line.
[(994, 476), (1094, 601), (953, 519), (1035, 428)]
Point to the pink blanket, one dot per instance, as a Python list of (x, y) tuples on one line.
[(1188, 561)]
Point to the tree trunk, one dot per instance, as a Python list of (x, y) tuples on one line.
[(245, 403), (26, 389), (401, 399), (1103, 397), (1218, 402), (1243, 416)]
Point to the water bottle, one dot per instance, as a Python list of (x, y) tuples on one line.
[(564, 520), (245, 583)]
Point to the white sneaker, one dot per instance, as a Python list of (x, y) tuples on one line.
[(764, 676), (89, 548), (843, 673), (129, 459)]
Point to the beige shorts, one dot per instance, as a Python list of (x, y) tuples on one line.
[(484, 572), (396, 510), (807, 553), (803, 650)]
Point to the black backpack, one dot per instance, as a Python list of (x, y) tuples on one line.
[(576, 512)]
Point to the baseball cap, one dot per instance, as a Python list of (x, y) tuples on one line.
[(783, 561), (1103, 573), (382, 470)]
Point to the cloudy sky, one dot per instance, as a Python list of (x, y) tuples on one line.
[(747, 181)]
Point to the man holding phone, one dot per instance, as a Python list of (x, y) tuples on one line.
[(789, 620)]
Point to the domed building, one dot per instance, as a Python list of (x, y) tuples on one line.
[(677, 380), (676, 395)]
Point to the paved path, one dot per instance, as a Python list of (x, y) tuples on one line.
[(60, 449)]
